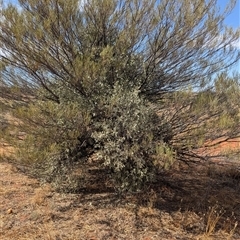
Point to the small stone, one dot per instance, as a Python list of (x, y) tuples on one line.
[(9, 211)]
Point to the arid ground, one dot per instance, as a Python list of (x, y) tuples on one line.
[(196, 202)]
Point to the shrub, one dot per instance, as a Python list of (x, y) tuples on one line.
[(126, 138)]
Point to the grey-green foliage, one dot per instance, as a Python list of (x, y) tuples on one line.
[(51, 131), (125, 136)]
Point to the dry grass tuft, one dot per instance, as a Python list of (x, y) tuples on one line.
[(41, 194)]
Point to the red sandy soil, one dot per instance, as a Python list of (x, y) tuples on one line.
[(196, 202), (30, 210), (226, 146)]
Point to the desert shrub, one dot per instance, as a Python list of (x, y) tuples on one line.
[(53, 136), (126, 138)]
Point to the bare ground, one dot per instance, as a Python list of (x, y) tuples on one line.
[(200, 202)]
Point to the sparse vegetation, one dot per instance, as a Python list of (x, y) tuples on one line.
[(195, 206)]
